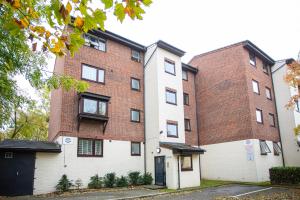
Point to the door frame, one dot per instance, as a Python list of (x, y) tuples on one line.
[(164, 172)]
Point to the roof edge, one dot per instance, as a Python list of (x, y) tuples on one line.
[(258, 52), (170, 48), (189, 68)]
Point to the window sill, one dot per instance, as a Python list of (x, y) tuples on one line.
[(84, 79), (95, 48), (136, 90), (135, 154), (175, 104), (172, 136), (188, 130), (187, 169), (89, 155), (136, 60), (93, 116), (270, 99), (170, 73), (260, 123), (135, 121)]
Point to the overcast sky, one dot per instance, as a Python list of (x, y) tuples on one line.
[(198, 26)]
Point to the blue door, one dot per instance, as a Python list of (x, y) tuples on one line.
[(160, 172)]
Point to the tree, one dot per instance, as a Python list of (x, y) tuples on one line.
[(31, 29), (45, 21), (30, 121)]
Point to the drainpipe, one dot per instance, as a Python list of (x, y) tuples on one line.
[(197, 122), (283, 162), (178, 172)]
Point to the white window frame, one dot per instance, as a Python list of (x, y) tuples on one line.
[(255, 86), (259, 116)]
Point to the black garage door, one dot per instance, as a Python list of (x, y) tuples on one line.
[(16, 173)]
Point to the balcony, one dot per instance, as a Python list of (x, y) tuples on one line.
[(93, 107)]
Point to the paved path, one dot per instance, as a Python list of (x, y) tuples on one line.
[(203, 194), (212, 193)]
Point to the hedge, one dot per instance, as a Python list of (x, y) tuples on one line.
[(285, 175)]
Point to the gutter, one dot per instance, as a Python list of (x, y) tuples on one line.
[(283, 162), (178, 172)]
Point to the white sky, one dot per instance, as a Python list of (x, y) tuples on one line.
[(198, 26)]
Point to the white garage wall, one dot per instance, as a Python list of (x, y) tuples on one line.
[(116, 158)]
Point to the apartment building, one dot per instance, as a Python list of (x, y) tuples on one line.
[(102, 129), (288, 118), (236, 113), (172, 149)]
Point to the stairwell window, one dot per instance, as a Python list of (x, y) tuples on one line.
[(135, 148), (185, 99), (259, 116), (95, 42), (89, 147), (264, 148), (171, 97), (252, 59), (255, 86), (91, 73), (170, 67), (186, 163), (172, 129), (272, 119), (276, 148)]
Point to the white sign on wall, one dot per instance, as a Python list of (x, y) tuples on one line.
[(67, 140), (249, 150)]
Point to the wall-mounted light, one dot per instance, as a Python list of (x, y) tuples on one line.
[(158, 150), (161, 132)]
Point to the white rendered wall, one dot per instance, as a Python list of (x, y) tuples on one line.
[(116, 158), (288, 118), (229, 161)]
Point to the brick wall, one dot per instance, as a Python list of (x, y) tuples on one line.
[(225, 101), (191, 137), (119, 68)]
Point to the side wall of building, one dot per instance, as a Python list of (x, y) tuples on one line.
[(236, 161), (288, 118)]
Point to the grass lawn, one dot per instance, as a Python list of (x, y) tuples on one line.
[(215, 183)]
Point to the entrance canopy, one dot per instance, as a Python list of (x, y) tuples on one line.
[(181, 148), (27, 145)]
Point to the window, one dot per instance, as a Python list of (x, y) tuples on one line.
[(92, 74), (255, 86), (170, 67), (268, 93), (185, 99), (187, 124), (95, 42), (135, 115), (272, 119), (264, 148), (135, 55), (90, 147), (266, 68), (172, 129), (135, 148), (252, 59), (186, 163), (184, 75), (8, 155), (259, 116), (135, 84), (276, 148), (96, 107), (171, 97), (297, 106)]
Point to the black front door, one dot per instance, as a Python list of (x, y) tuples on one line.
[(160, 174), (16, 173)]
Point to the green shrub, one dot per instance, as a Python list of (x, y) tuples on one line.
[(147, 179), (285, 175), (95, 182), (134, 177), (64, 184), (122, 182), (110, 180)]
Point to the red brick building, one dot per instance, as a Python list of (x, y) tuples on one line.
[(236, 112)]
